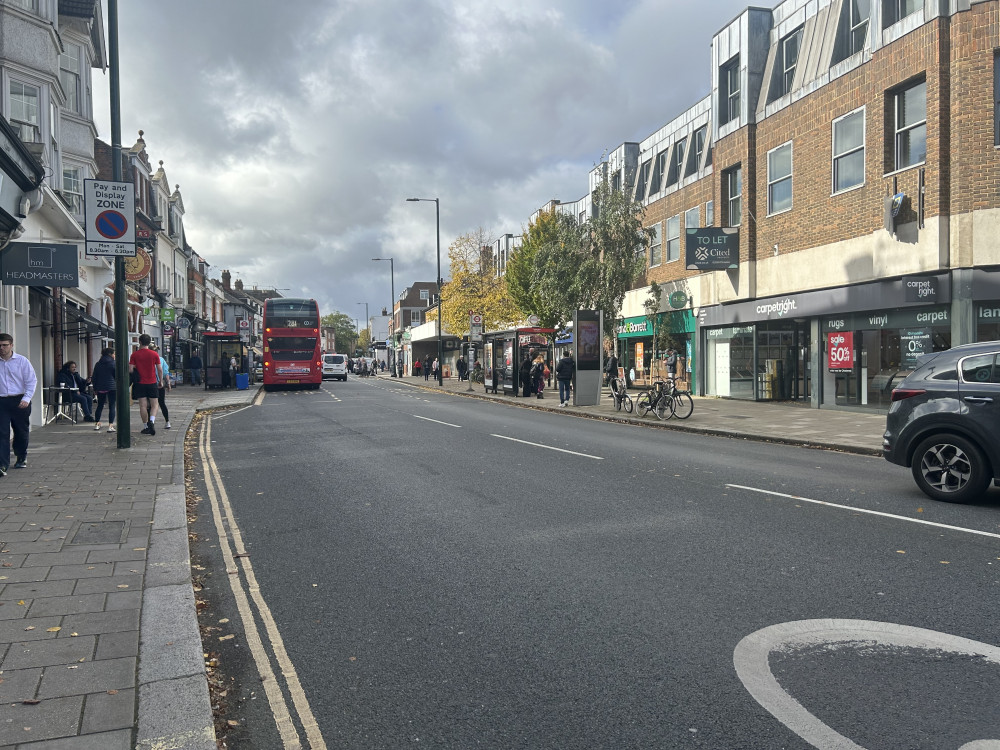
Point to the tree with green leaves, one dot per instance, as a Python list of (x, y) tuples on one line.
[(573, 266), (474, 287), (344, 332)]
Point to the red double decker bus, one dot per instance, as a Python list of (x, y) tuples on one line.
[(291, 343)]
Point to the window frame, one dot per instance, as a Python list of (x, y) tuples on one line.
[(729, 72), (697, 218), (642, 179), (696, 154), (854, 26), (677, 150), (710, 213), (415, 317), (73, 197), (893, 11), (656, 245), (835, 157), (897, 98), (672, 242), (788, 72), (734, 200), (20, 123), (72, 88), (773, 181)]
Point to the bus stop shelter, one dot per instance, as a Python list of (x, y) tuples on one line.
[(218, 348), (503, 352)]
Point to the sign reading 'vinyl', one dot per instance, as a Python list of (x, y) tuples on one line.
[(712, 248)]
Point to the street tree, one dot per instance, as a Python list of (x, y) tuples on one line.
[(588, 265), (474, 287), (344, 333)]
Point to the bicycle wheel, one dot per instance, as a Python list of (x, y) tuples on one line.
[(664, 406), (643, 405), (627, 403), (618, 402), (683, 404)]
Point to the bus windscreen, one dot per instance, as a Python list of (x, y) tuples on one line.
[(287, 313)]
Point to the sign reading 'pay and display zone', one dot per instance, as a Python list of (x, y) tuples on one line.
[(109, 208)]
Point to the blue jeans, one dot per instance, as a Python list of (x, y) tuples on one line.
[(564, 387)]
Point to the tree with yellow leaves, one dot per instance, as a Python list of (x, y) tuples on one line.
[(474, 288)]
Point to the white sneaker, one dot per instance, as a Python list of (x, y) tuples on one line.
[(97, 426), (111, 428), (167, 426)]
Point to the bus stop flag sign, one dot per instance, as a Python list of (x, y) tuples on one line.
[(109, 208)]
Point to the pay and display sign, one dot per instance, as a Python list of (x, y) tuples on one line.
[(109, 208), (840, 351)]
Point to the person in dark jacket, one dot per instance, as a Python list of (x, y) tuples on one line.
[(611, 367), (524, 372), (103, 381), (565, 368), (68, 377), (195, 365)]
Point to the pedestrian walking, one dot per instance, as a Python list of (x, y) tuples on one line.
[(524, 372), (462, 368), (163, 387), (416, 368), (565, 368), (146, 364), (69, 378), (611, 367), (103, 380), (196, 366), (427, 367), (434, 368), (17, 387)]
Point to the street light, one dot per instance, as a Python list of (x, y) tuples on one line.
[(368, 323), (437, 214), (392, 311)]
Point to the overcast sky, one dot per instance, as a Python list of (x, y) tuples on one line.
[(296, 130)]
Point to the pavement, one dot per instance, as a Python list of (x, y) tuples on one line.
[(99, 640)]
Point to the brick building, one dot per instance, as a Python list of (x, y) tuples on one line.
[(850, 150)]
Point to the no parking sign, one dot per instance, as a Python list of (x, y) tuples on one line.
[(109, 208)]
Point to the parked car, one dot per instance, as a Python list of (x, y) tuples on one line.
[(335, 366), (944, 422)]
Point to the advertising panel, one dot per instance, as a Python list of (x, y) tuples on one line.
[(712, 248), (840, 351)]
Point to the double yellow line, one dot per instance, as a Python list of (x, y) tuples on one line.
[(240, 569)]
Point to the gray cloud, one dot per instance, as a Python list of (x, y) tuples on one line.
[(296, 131)]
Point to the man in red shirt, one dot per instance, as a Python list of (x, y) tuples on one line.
[(146, 363)]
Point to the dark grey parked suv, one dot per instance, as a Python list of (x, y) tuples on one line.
[(944, 422)]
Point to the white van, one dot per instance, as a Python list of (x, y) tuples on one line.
[(335, 366)]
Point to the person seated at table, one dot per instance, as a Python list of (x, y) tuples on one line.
[(68, 377)]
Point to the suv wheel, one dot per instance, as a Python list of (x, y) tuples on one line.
[(950, 468)]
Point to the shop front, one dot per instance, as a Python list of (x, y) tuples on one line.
[(643, 343), (844, 347)]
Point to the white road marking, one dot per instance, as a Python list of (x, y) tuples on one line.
[(436, 421), (864, 510), (230, 413), (549, 447), (231, 544), (752, 662)]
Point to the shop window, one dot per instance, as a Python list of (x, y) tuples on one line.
[(909, 124), (849, 151), (729, 91), (655, 246), (779, 179), (674, 238), (734, 196)]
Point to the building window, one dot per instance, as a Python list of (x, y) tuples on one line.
[(31, 5), (894, 11), (655, 246), (640, 183), (779, 179), (425, 294), (910, 110), (674, 237), (996, 98), (853, 29), (849, 151), (710, 214), (676, 163), (616, 181), (24, 99), (691, 218), (698, 152), (729, 91), (414, 317), (734, 196), (72, 189), (659, 170), (69, 75), (784, 64)]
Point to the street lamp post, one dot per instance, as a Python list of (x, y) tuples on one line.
[(392, 312), (437, 214), (368, 324)]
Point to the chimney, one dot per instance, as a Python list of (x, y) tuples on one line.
[(239, 285), (225, 281)]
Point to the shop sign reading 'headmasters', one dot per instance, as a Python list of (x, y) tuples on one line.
[(712, 248), (39, 264)]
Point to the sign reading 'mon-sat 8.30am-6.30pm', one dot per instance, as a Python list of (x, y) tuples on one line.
[(109, 208)]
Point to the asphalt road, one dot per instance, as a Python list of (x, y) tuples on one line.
[(437, 583)]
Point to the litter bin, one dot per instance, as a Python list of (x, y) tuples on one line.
[(242, 381)]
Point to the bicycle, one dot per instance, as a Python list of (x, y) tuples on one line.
[(654, 399), (476, 376), (681, 403), (620, 395)]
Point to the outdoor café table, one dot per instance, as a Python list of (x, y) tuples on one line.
[(63, 403)]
